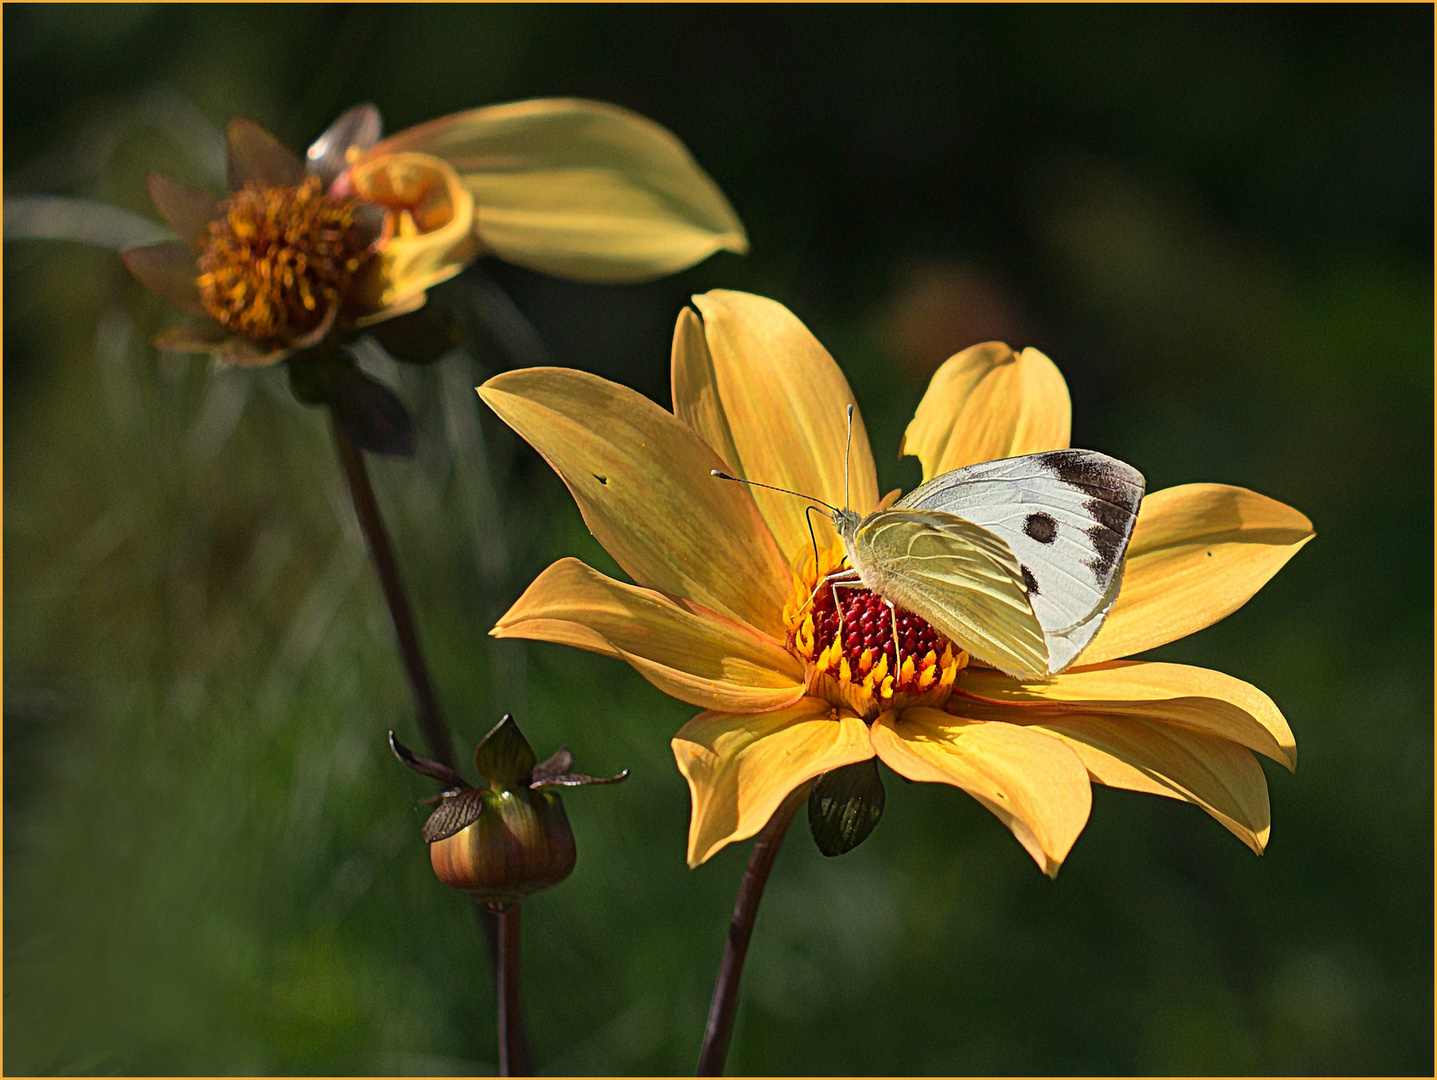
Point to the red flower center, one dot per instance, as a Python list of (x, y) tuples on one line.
[(867, 625)]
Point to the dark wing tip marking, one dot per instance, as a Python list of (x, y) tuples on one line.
[(1114, 491), (1041, 527)]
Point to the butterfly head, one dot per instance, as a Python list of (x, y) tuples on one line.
[(846, 523)]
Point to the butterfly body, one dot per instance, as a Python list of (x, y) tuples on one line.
[(1018, 561)]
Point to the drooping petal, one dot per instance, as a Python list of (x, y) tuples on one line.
[(1198, 553), (169, 270), (201, 336), (255, 154), (187, 210), (242, 352), (786, 404), (1194, 697), (1034, 783), (693, 654), (741, 767), (581, 189), (986, 403), (1174, 761), (432, 217), (643, 482), (695, 387)]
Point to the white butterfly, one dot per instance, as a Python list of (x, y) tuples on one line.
[(1018, 561)]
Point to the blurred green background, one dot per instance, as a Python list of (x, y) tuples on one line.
[(1217, 221)]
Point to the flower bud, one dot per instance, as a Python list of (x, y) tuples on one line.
[(521, 843), (510, 838)]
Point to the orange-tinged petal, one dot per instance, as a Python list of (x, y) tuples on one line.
[(786, 404), (1195, 697), (692, 654), (169, 270), (581, 189), (986, 403), (695, 387), (432, 221), (188, 210), (642, 481), (255, 154), (1198, 553), (1167, 759), (741, 767), (1034, 783)]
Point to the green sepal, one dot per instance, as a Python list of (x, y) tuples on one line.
[(370, 414), (844, 806), (312, 373), (504, 757), (420, 337)]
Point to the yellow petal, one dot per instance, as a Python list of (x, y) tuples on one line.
[(786, 403), (1034, 783), (693, 654), (431, 234), (1170, 760), (642, 481), (695, 387), (1195, 697), (1198, 553), (986, 403), (581, 189), (741, 767), (255, 154)]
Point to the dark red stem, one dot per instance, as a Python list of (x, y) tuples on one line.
[(513, 1054), (366, 508), (745, 910)]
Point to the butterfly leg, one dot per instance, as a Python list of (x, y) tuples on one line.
[(847, 579), (897, 648)]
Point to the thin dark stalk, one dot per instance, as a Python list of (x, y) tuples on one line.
[(366, 508), (745, 910), (513, 1055), (431, 720)]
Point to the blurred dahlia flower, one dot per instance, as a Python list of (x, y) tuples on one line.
[(358, 231)]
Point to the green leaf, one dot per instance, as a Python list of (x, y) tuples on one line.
[(844, 806), (504, 757)]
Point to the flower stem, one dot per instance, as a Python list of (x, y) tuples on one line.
[(366, 508), (513, 1053), (431, 720), (745, 910)]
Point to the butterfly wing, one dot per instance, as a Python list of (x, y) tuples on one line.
[(1067, 516), (958, 576)]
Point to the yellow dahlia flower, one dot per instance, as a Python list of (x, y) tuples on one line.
[(359, 231), (719, 615)]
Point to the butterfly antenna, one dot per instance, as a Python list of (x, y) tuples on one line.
[(770, 487), (847, 449)]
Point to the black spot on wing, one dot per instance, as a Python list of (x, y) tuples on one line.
[(1029, 581), (1041, 527)]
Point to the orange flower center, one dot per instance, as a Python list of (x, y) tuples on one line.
[(279, 259), (861, 653)]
